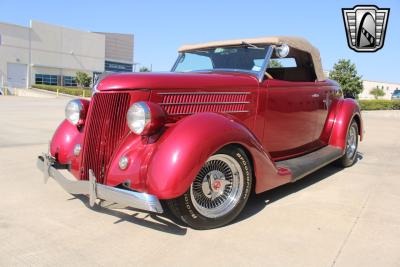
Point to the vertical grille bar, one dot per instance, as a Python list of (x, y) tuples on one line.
[(104, 129)]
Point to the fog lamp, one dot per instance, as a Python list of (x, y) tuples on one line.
[(77, 150), (123, 162)]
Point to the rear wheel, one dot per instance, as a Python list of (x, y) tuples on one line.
[(218, 193), (350, 154)]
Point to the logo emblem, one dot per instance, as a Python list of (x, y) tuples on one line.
[(365, 27)]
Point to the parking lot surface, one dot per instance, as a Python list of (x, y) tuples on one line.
[(334, 217)]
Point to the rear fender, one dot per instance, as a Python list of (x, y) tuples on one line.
[(183, 149), (348, 109)]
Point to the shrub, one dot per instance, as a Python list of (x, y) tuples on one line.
[(379, 104), (65, 90), (144, 69), (83, 79), (377, 92)]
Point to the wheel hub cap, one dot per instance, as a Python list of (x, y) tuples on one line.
[(218, 186), (351, 144)]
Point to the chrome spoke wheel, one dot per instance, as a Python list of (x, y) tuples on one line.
[(351, 144), (218, 186)]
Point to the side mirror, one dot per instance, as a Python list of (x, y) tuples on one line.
[(282, 50)]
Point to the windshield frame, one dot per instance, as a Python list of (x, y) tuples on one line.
[(259, 74)]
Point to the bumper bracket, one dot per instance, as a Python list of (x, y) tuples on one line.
[(143, 201)]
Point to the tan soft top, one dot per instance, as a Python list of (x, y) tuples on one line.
[(295, 42)]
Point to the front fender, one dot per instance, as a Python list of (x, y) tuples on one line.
[(62, 145), (347, 110), (182, 150)]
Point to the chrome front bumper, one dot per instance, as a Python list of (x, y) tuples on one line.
[(127, 198)]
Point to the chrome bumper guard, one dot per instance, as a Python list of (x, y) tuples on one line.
[(127, 198)]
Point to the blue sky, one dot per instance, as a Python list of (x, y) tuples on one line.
[(160, 27)]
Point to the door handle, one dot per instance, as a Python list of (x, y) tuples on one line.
[(315, 95)]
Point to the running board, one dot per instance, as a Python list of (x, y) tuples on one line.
[(304, 165)]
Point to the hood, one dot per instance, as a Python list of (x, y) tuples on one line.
[(171, 80)]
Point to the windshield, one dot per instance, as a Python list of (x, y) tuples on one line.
[(239, 58)]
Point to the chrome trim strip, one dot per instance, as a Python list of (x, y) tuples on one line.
[(205, 93), (205, 103), (128, 198), (264, 66), (191, 113), (176, 62)]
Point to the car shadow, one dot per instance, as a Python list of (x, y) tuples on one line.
[(168, 223), (161, 222), (258, 202)]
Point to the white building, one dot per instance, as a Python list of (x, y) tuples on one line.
[(48, 54), (387, 87)]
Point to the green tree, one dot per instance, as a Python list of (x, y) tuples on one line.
[(83, 79), (345, 73), (377, 92), (273, 63), (144, 69)]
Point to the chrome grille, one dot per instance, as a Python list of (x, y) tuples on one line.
[(105, 127)]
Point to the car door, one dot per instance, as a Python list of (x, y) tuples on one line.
[(290, 111), (329, 96), (324, 98)]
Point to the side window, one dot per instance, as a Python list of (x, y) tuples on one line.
[(190, 61), (296, 67), (287, 62)]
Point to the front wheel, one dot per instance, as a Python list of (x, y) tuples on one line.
[(219, 192)]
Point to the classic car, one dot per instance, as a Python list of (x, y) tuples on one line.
[(396, 95), (231, 119)]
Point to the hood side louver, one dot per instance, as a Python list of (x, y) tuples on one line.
[(194, 102)]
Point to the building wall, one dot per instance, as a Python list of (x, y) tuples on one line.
[(119, 47), (61, 51), (388, 88), (48, 49), (14, 48), (119, 51)]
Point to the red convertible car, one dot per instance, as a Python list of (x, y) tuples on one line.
[(232, 118)]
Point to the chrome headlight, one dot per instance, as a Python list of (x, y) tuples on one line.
[(145, 118), (138, 117), (75, 111)]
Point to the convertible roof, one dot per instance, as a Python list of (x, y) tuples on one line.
[(295, 42)]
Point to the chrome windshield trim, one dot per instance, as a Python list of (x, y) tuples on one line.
[(176, 62), (259, 74), (264, 66)]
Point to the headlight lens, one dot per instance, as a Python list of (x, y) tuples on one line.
[(138, 117), (73, 111), (146, 118)]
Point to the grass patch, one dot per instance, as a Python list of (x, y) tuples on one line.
[(83, 92), (379, 104)]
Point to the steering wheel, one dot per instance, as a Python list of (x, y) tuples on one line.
[(269, 76)]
